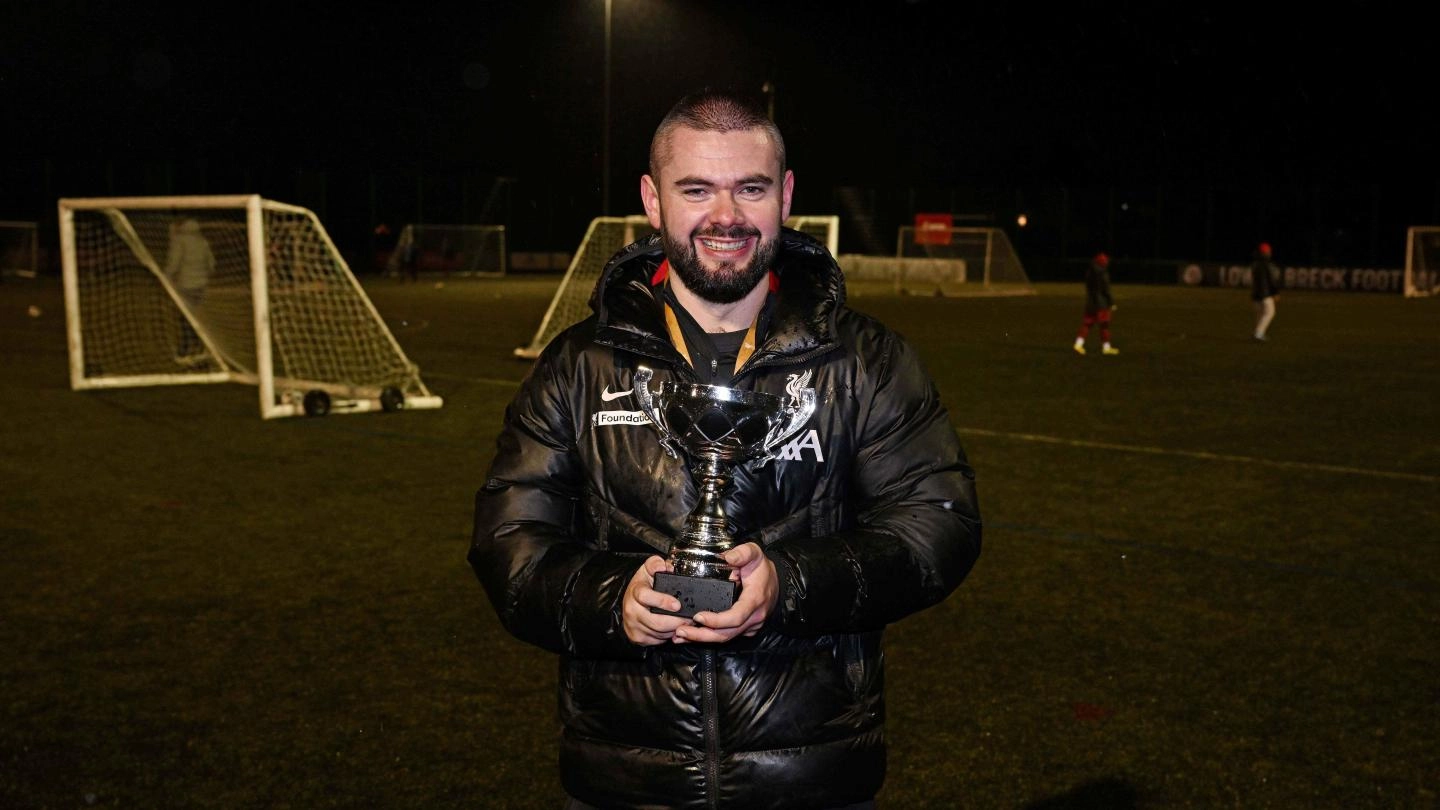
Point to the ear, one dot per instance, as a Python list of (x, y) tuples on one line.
[(787, 193), (650, 197)]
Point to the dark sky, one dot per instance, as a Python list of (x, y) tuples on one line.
[(903, 92)]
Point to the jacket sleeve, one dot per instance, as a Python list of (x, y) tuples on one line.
[(918, 528), (548, 585)]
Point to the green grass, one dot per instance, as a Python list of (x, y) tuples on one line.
[(201, 609)]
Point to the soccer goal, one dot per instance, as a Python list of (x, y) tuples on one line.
[(1422, 261), (172, 290), (19, 249), (571, 304), (958, 261), (824, 228), (454, 250)]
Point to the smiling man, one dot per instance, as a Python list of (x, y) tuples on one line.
[(868, 515)]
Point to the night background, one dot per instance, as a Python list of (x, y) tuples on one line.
[(1156, 134), (1210, 576)]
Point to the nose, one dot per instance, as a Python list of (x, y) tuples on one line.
[(725, 211)]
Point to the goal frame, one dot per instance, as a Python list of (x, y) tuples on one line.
[(831, 223), (344, 398), (996, 242), (1428, 288), (548, 330)]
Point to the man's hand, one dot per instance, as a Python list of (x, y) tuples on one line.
[(760, 588), (641, 626)]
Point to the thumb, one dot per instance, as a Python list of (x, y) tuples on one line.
[(742, 555)]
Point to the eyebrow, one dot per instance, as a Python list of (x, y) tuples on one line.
[(748, 180)]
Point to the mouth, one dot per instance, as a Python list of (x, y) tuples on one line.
[(721, 245)]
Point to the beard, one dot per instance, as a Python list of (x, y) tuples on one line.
[(728, 282)]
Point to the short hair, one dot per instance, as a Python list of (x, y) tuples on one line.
[(712, 111)]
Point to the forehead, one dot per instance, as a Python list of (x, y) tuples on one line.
[(706, 153)]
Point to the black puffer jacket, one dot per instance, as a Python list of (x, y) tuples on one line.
[(869, 515)]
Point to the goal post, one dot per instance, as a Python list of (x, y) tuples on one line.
[(175, 290), (571, 303), (825, 228), (945, 260), (1422, 261), (463, 251)]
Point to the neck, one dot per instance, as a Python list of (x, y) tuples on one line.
[(715, 318)]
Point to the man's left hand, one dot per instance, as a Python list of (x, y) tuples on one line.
[(759, 590)]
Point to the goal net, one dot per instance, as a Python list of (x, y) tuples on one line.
[(1422, 261), (571, 304), (940, 260), (19, 249), (171, 290), (454, 250), (604, 238)]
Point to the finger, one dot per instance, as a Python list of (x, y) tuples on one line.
[(656, 625), (742, 555), (654, 565), (736, 616), (704, 635), (651, 598)]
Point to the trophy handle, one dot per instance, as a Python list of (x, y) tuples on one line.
[(798, 408), (647, 404)]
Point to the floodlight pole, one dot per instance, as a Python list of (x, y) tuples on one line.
[(605, 139)]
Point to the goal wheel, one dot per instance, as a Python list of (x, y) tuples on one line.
[(392, 399), (317, 403)]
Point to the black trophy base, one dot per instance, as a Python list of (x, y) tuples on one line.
[(696, 594)]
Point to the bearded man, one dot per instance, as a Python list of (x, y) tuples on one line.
[(868, 515)]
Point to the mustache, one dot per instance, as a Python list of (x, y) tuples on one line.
[(732, 232)]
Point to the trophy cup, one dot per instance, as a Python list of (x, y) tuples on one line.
[(716, 428)]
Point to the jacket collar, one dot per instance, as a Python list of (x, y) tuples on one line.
[(810, 296)]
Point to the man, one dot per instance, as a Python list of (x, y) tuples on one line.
[(1264, 290), (869, 515), (1098, 304), (189, 263)]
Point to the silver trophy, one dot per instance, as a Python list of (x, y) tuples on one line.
[(716, 428)]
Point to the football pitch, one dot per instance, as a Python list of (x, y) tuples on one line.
[(1210, 576)]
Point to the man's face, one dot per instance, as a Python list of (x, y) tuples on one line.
[(718, 202)]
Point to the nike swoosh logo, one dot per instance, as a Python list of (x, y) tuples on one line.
[(607, 396)]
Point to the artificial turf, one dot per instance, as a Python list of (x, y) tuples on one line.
[(1211, 574)]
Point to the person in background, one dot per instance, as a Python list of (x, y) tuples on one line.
[(1264, 290), (1098, 305), (189, 262)]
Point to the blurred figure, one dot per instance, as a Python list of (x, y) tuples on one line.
[(188, 264), (1264, 289), (1098, 304), (409, 260)]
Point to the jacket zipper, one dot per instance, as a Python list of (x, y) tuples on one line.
[(710, 707), (777, 360)]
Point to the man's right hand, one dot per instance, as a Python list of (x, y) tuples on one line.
[(641, 626)]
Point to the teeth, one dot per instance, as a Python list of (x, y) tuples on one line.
[(723, 246)]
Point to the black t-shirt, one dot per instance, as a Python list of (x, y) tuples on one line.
[(712, 354)]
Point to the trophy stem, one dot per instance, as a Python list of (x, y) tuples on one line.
[(705, 536)]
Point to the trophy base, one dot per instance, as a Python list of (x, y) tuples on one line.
[(696, 594)]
